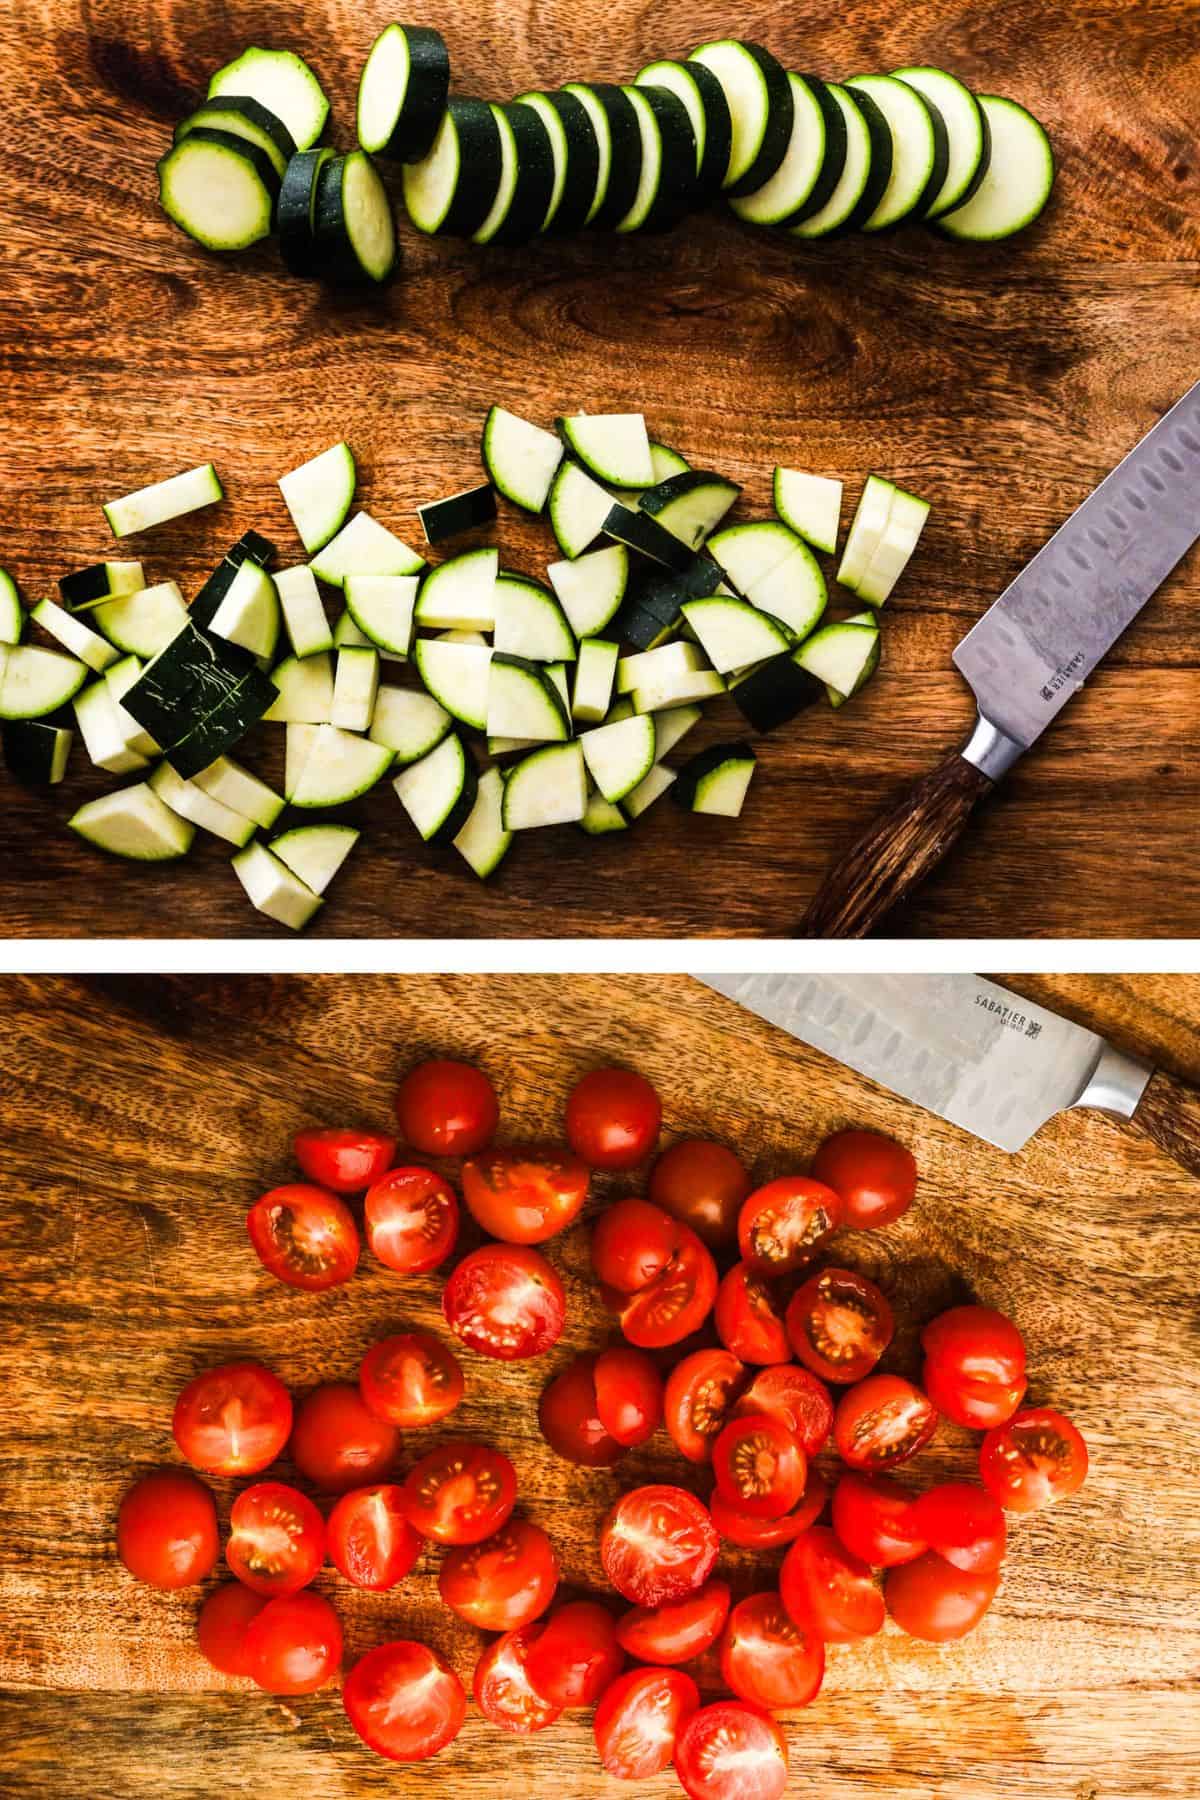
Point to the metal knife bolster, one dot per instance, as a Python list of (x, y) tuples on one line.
[(1115, 1085), (990, 750)]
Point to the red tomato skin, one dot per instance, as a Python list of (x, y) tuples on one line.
[(677, 1568), (613, 1119), (411, 1220), (570, 1420), (873, 1176), (678, 1631), (503, 1583), (167, 1530), (759, 1466), (629, 1395), (747, 1319), (875, 1518), (501, 1685), (932, 1600), (526, 1194), (882, 1422), (751, 1533), (576, 1656), (979, 1405), (796, 1396), (632, 1243), (347, 1162), (455, 1479), (699, 1398), (839, 1324), (294, 1645), (222, 1625), (210, 1424), (782, 1226), (1035, 1460), (964, 1525), (698, 1753), (479, 1298), (304, 1236), (638, 1719), (371, 1542), (338, 1443), (829, 1592), (447, 1108), (276, 1540), (703, 1184), (419, 1696), (677, 1302), (974, 1366), (767, 1659), (410, 1380)]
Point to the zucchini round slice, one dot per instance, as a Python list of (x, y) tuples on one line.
[(283, 83), (576, 155), (356, 233), (865, 168), (1018, 181), (527, 177), (219, 189), (759, 97), (296, 213), (707, 108), (968, 132), (402, 92), (667, 176), (920, 149), (452, 189), (812, 165), (244, 118), (618, 134)]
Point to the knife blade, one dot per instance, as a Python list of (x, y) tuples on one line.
[(1029, 653), (973, 1053)]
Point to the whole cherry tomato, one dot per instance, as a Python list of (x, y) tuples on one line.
[(371, 1541), (506, 1581), (613, 1119), (410, 1380), (404, 1701), (570, 1419), (797, 1397), (931, 1599), (222, 1626), (875, 1518), (233, 1420), (276, 1539), (304, 1236), (657, 1544), (759, 1466), (655, 1272), (460, 1493), (1035, 1460), (502, 1690), (731, 1751), (338, 1443), (829, 1592), (881, 1422), (677, 1631), (576, 1656), (699, 1399), (629, 1394), (767, 1658), (754, 1533), (748, 1319), (974, 1366), (873, 1176), (505, 1301), (964, 1525), (167, 1530), (524, 1196), (704, 1185), (782, 1226), (638, 1719), (840, 1324), (447, 1108), (411, 1217), (348, 1162), (294, 1645)]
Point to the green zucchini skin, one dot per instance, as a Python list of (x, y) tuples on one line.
[(425, 95), (535, 175), (626, 166), (295, 213), (880, 134), (583, 164), (835, 150)]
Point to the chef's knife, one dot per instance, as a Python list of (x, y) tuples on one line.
[(1029, 653), (973, 1053)]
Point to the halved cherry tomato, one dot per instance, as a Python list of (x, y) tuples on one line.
[(882, 1422), (656, 1272), (796, 1396), (613, 1119), (167, 1530), (974, 1366), (759, 1466), (964, 1525), (840, 1324), (638, 1719), (678, 1631), (1036, 1459), (570, 1420), (767, 1658), (875, 1518), (753, 1533), (731, 1751), (576, 1656), (748, 1319), (371, 1541), (349, 1162), (782, 1226), (276, 1539), (410, 1379), (658, 1543), (222, 1626), (699, 1399), (505, 1301), (294, 1645), (873, 1176), (524, 1196), (411, 1217), (703, 1184), (506, 1581), (404, 1701), (460, 1493), (828, 1591), (502, 1690), (629, 1394), (305, 1236), (447, 1108), (338, 1442), (233, 1420), (931, 1599)]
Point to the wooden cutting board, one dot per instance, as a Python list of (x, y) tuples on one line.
[(142, 1116), (1000, 383)]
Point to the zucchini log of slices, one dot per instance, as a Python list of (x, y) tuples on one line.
[(402, 92), (355, 230)]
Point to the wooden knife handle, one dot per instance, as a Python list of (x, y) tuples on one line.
[(896, 853), (1169, 1114)]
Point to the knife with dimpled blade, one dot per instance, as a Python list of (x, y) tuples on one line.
[(1033, 649)]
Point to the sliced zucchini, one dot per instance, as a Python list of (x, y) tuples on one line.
[(98, 716), (595, 673), (639, 531), (12, 619), (620, 756), (1017, 182), (222, 728), (775, 693), (967, 130), (460, 595), (576, 158), (319, 495), (759, 97), (865, 171), (303, 611), (284, 84), (748, 553), (812, 163), (235, 787), (905, 522), (133, 822), (250, 547), (408, 723), (591, 588), (733, 634), (143, 623), (793, 592), (249, 613), (667, 176), (300, 742), (296, 213), (529, 621), (219, 189), (600, 816), (809, 505), (920, 149), (452, 188), (190, 677), (35, 753), (672, 659), (483, 841), (34, 682), (716, 780), (866, 531), (548, 787), (615, 125), (315, 853), (838, 654), (578, 508), (647, 791), (518, 210), (665, 690), (355, 685), (614, 447), (438, 793), (74, 635), (457, 675), (192, 803), (339, 767), (382, 608), (521, 458), (305, 696), (402, 92), (353, 222), (85, 587), (673, 726), (464, 511), (703, 97), (164, 501), (120, 677), (524, 703), (690, 505), (835, 696), (272, 889), (364, 547), (245, 118)]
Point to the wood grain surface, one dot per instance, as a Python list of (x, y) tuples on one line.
[(142, 1116), (1000, 382)]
